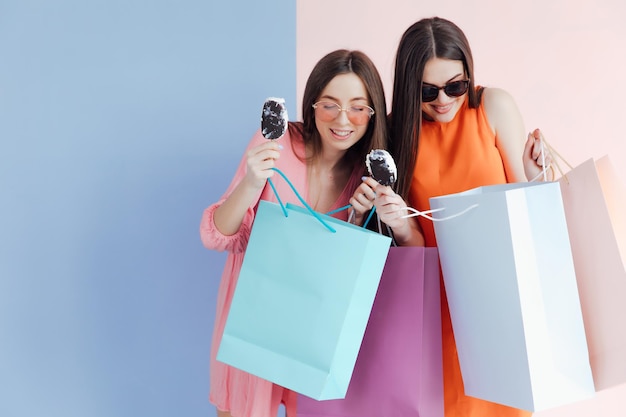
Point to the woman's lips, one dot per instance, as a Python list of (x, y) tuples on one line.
[(341, 133), (442, 109)]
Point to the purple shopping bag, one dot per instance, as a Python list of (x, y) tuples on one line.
[(398, 371)]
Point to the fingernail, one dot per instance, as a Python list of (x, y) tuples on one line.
[(363, 178), (280, 146)]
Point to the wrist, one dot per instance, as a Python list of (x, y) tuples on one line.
[(410, 235)]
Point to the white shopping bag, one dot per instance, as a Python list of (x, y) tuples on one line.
[(511, 288)]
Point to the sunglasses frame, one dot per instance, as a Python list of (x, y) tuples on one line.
[(445, 90), (371, 111)]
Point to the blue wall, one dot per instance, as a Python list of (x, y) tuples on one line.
[(120, 120)]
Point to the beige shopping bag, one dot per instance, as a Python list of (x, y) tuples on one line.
[(594, 201)]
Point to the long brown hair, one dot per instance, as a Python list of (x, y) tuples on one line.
[(344, 61), (428, 38)]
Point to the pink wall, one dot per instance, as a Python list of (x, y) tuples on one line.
[(554, 56)]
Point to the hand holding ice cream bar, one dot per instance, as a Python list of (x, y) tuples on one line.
[(274, 118), (381, 167)]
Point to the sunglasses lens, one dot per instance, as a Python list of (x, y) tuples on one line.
[(429, 93), (456, 89)]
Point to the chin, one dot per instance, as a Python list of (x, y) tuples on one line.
[(441, 118)]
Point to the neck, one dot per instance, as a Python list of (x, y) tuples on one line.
[(327, 177)]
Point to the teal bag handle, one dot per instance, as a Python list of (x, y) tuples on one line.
[(346, 207), (393, 242), (313, 212), (350, 205)]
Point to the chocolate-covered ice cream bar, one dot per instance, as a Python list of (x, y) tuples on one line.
[(274, 118), (381, 167)]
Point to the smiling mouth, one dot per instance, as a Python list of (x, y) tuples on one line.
[(341, 133), (442, 109)]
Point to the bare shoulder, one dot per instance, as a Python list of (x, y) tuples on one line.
[(497, 98), (500, 106)]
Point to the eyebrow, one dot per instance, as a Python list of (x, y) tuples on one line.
[(434, 85), (327, 97)]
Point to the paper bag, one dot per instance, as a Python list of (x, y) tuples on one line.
[(595, 208), (399, 368), (302, 300), (511, 287)]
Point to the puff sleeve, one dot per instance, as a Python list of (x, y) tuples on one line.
[(211, 237)]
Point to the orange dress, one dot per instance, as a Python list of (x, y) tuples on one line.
[(454, 157)]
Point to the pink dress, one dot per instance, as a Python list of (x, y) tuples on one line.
[(243, 394)]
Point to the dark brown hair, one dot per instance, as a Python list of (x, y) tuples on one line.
[(428, 38)]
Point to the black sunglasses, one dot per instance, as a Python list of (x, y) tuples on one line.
[(453, 89)]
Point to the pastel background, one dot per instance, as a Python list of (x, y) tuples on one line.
[(561, 60), (121, 120)]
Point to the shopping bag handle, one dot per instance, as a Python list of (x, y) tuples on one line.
[(555, 159), (313, 212), (546, 147), (414, 213), (347, 206), (380, 228)]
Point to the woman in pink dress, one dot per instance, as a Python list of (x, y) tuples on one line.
[(344, 115)]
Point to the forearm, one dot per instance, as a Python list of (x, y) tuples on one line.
[(229, 216)]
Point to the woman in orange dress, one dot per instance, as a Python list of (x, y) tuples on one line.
[(448, 136)]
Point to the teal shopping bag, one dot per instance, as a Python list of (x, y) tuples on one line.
[(303, 299)]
